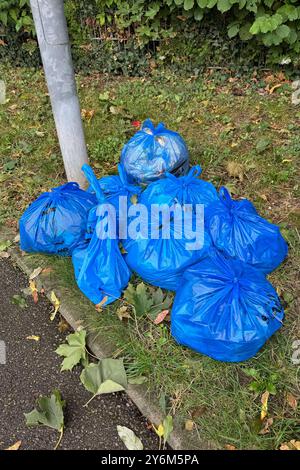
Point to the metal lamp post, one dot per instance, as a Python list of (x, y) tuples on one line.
[(53, 39)]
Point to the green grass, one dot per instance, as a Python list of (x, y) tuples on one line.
[(223, 119)]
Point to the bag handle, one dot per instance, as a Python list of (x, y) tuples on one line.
[(91, 177), (194, 172), (124, 180), (225, 196)]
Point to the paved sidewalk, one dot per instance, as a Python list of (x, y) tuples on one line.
[(33, 368)]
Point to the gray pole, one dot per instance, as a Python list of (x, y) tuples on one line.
[(52, 34)]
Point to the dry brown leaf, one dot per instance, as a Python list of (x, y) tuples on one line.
[(98, 307), (198, 411), (291, 400), (63, 325), (267, 424), (189, 425), (33, 337), (292, 445), (87, 114), (4, 254), (35, 273), (34, 291), (47, 271), (160, 317), (123, 312), (273, 88), (2, 43), (235, 170), (56, 304), (15, 446), (230, 447), (264, 402)]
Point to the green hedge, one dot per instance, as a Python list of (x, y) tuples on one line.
[(267, 29)]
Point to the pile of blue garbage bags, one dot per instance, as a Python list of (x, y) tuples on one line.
[(213, 251)]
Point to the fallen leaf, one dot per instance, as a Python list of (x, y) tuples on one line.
[(291, 445), (4, 254), (136, 123), (47, 271), (2, 43), (123, 312), (17, 238), (56, 304), (98, 307), (189, 425), (34, 291), (15, 446), (292, 401), (235, 170), (33, 337), (131, 441), (198, 411), (264, 402), (230, 447), (73, 351), (87, 114), (160, 317), (273, 88), (35, 273), (19, 300), (134, 199), (266, 428), (63, 325)]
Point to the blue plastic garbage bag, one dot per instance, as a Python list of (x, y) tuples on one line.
[(152, 151), (188, 189), (225, 309), (240, 232), (114, 187), (56, 221), (164, 247), (100, 270)]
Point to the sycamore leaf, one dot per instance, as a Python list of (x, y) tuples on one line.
[(264, 402), (138, 298), (56, 304), (74, 351), (131, 441), (15, 446), (107, 376), (49, 412)]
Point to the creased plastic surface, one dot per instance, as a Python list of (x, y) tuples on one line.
[(188, 189), (152, 151), (160, 261), (238, 231), (56, 221), (225, 309), (100, 270)]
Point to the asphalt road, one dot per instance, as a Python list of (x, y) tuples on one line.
[(32, 369)]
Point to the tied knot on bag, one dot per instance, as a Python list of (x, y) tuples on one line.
[(131, 188)]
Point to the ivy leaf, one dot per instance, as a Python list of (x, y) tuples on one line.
[(188, 4), (233, 30), (131, 441), (223, 5), (73, 352), (107, 376), (49, 412)]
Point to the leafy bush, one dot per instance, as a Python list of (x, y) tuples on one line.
[(128, 29)]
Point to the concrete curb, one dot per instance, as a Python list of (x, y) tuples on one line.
[(72, 312)]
